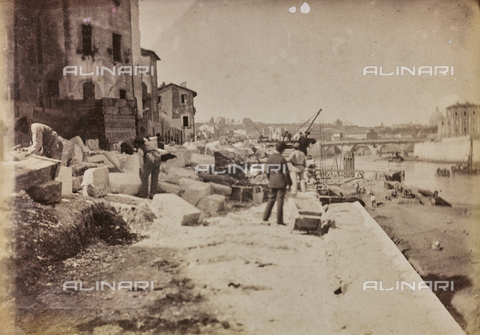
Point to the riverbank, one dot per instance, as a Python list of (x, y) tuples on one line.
[(441, 243), (232, 275)]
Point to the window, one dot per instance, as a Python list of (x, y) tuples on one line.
[(123, 94), (86, 39), (53, 90), (88, 91), (464, 112), (455, 113), (185, 121), (117, 47), (159, 99), (184, 98)]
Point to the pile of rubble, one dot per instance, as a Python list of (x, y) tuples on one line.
[(187, 180)]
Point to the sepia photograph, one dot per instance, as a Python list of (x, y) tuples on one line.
[(255, 167)]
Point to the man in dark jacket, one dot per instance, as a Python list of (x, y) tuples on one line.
[(305, 142), (278, 177)]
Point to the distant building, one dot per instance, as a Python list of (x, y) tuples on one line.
[(461, 120), (176, 102)]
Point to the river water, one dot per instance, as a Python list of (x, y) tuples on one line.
[(459, 190)]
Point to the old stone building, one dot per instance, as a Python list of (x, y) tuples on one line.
[(151, 121), (461, 120), (78, 67), (176, 104)]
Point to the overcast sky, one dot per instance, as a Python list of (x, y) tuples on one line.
[(257, 59)]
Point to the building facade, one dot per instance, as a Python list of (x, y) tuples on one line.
[(151, 117), (177, 105), (460, 120), (78, 67)]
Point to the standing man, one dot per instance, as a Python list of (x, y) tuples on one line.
[(279, 179), (45, 141), (305, 142), (299, 162), (149, 165)]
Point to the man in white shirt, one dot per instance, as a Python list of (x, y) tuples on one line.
[(44, 140), (299, 162)]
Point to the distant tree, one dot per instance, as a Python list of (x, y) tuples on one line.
[(246, 121), (339, 123), (212, 121)]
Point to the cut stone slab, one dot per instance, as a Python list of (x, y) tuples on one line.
[(93, 144), (65, 176), (221, 189), (95, 182), (125, 183), (178, 162), (165, 187), (130, 163), (80, 168), (174, 175), (33, 171), (78, 141), (77, 154), (47, 193), (68, 152), (194, 190), (196, 159), (97, 159), (172, 209), (212, 204), (77, 184)]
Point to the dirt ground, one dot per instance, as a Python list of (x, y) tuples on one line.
[(228, 275)]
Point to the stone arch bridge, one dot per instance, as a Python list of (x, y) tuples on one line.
[(403, 146)]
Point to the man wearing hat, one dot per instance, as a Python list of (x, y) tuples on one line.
[(44, 140), (297, 158), (149, 165), (279, 179)]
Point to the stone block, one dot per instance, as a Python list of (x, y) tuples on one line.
[(47, 193), (194, 190), (92, 144), (165, 187), (178, 162), (33, 171), (130, 163), (212, 204), (196, 159), (68, 152), (80, 168), (221, 189), (78, 141), (77, 155), (125, 183), (171, 209), (77, 184), (95, 182), (174, 175), (65, 176), (99, 159)]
